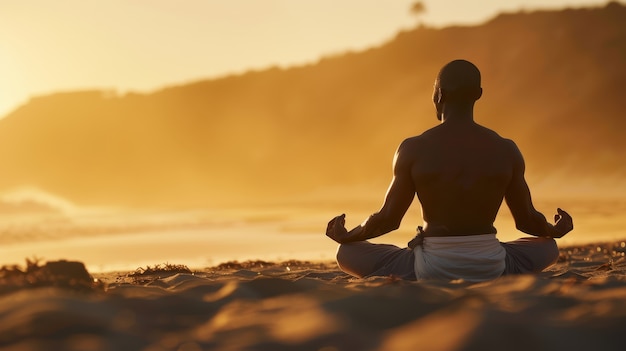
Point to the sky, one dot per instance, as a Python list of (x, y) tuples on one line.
[(144, 45)]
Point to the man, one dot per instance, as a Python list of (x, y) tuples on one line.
[(460, 172)]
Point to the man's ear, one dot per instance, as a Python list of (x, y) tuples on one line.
[(479, 93), (440, 95)]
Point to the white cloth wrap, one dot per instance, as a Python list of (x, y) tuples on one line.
[(472, 258)]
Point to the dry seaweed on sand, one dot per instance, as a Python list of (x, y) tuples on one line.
[(165, 268), (243, 265), (259, 264), (161, 268)]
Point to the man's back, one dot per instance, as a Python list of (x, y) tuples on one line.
[(460, 172)]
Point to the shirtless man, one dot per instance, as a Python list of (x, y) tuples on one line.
[(460, 172)]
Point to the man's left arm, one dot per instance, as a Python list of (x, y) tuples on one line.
[(398, 199), (527, 218)]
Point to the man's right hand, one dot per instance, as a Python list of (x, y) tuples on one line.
[(336, 229)]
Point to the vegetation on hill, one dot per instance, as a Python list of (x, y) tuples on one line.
[(552, 82)]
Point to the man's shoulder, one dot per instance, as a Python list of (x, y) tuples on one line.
[(414, 142), (426, 135), (506, 144), (430, 138), (409, 149), (498, 138)]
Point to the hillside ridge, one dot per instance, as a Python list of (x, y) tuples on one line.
[(552, 82)]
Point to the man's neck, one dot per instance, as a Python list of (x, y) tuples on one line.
[(453, 114)]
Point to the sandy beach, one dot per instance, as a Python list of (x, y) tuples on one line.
[(577, 304)]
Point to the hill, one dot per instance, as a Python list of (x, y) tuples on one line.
[(552, 82)]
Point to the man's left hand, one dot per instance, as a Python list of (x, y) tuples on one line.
[(563, 223)]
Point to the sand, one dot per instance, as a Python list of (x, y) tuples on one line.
[(577, 304)]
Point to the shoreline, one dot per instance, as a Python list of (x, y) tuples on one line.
[(314, 256)]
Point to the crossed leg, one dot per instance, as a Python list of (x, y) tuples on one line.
[(530, 255), (363, 259)]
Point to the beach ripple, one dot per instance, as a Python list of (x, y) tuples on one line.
[(577, 304)]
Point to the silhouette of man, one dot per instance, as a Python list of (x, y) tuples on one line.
[(460, 172)]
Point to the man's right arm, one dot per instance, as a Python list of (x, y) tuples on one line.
[(527, 218)]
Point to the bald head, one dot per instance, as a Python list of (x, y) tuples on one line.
[(458, 81)]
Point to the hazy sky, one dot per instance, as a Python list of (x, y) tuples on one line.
[(143, 45)]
